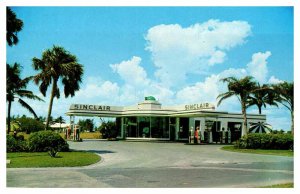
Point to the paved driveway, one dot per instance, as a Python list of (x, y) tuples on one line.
[(157, 165)]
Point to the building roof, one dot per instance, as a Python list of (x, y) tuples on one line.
[(151, 107)]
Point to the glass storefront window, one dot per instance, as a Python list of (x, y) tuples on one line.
[(160, 127), (118, 126), (144, 127), (130, 126)]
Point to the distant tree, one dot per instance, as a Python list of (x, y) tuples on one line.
[(86, 124), (60, 120), (262, 96), (242, 88), (30, 125), (41, 118), (16, 89), (285, 91), (57, 64), (13, 26)]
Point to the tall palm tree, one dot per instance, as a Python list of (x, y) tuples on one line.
[(242, 89), (261, 96), (16, 89), (57, 64), (285, 91), (13, 26)]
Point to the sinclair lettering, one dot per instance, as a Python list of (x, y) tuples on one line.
[(91, 107), (198, 106)]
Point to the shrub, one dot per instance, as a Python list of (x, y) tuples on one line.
[(29, 125), (15, 145), (109, 130), (44, 141), (281, 141)]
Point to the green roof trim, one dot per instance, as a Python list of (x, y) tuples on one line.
[(149, 98)]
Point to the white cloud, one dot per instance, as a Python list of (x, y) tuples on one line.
[(232, 72), (274, 80), (105, 90), (131, 71), (258, 66), (177, 51), (209, 89), (162, 93), (216, 57), (206, 91)]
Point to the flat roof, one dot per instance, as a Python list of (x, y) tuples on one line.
[(154, 108)]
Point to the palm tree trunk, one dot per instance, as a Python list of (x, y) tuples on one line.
[(51, 102), (8, 117), (244, 129), (259, 110)]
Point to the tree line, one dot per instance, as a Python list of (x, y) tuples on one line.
[(54, 66), (249, 93)]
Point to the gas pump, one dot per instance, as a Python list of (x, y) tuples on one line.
[(76, 133), (191, 135)]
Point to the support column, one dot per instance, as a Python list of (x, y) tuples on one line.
[(177, 129), (122, 128), (202, 128), (72, 121), (224, 131), (210, 140)]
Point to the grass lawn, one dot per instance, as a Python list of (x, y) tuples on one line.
[(286, 185), (86, 135), (42, 159), (260, 151)]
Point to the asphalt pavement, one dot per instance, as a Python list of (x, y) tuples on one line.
[(126, 164)]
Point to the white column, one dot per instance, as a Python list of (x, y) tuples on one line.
[(210, 137), (122, 127), (177, 129), (224, 130), (202, 128)]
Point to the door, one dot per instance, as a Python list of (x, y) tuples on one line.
[(131, 130)]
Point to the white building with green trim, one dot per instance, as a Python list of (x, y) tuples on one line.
[(149, 120)]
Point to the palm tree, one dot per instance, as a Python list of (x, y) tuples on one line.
[(285, 91), (57, 64), (16, 89), (13, 26), (242, 89), (262, 96), (60, 120)]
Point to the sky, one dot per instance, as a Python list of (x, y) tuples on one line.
[(176, 54)]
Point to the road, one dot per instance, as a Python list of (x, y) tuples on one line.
[(126, 164)]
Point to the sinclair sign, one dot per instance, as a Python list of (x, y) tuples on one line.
[(199, 106), (90, 107)]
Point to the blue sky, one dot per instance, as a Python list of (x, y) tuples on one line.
[(177, 54)]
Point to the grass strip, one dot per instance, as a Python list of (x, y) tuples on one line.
[(259, 151), (285, 185), (42, 159)]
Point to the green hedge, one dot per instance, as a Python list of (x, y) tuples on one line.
[(16, 144), (266, 141), (43, 141), (29, 125)]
